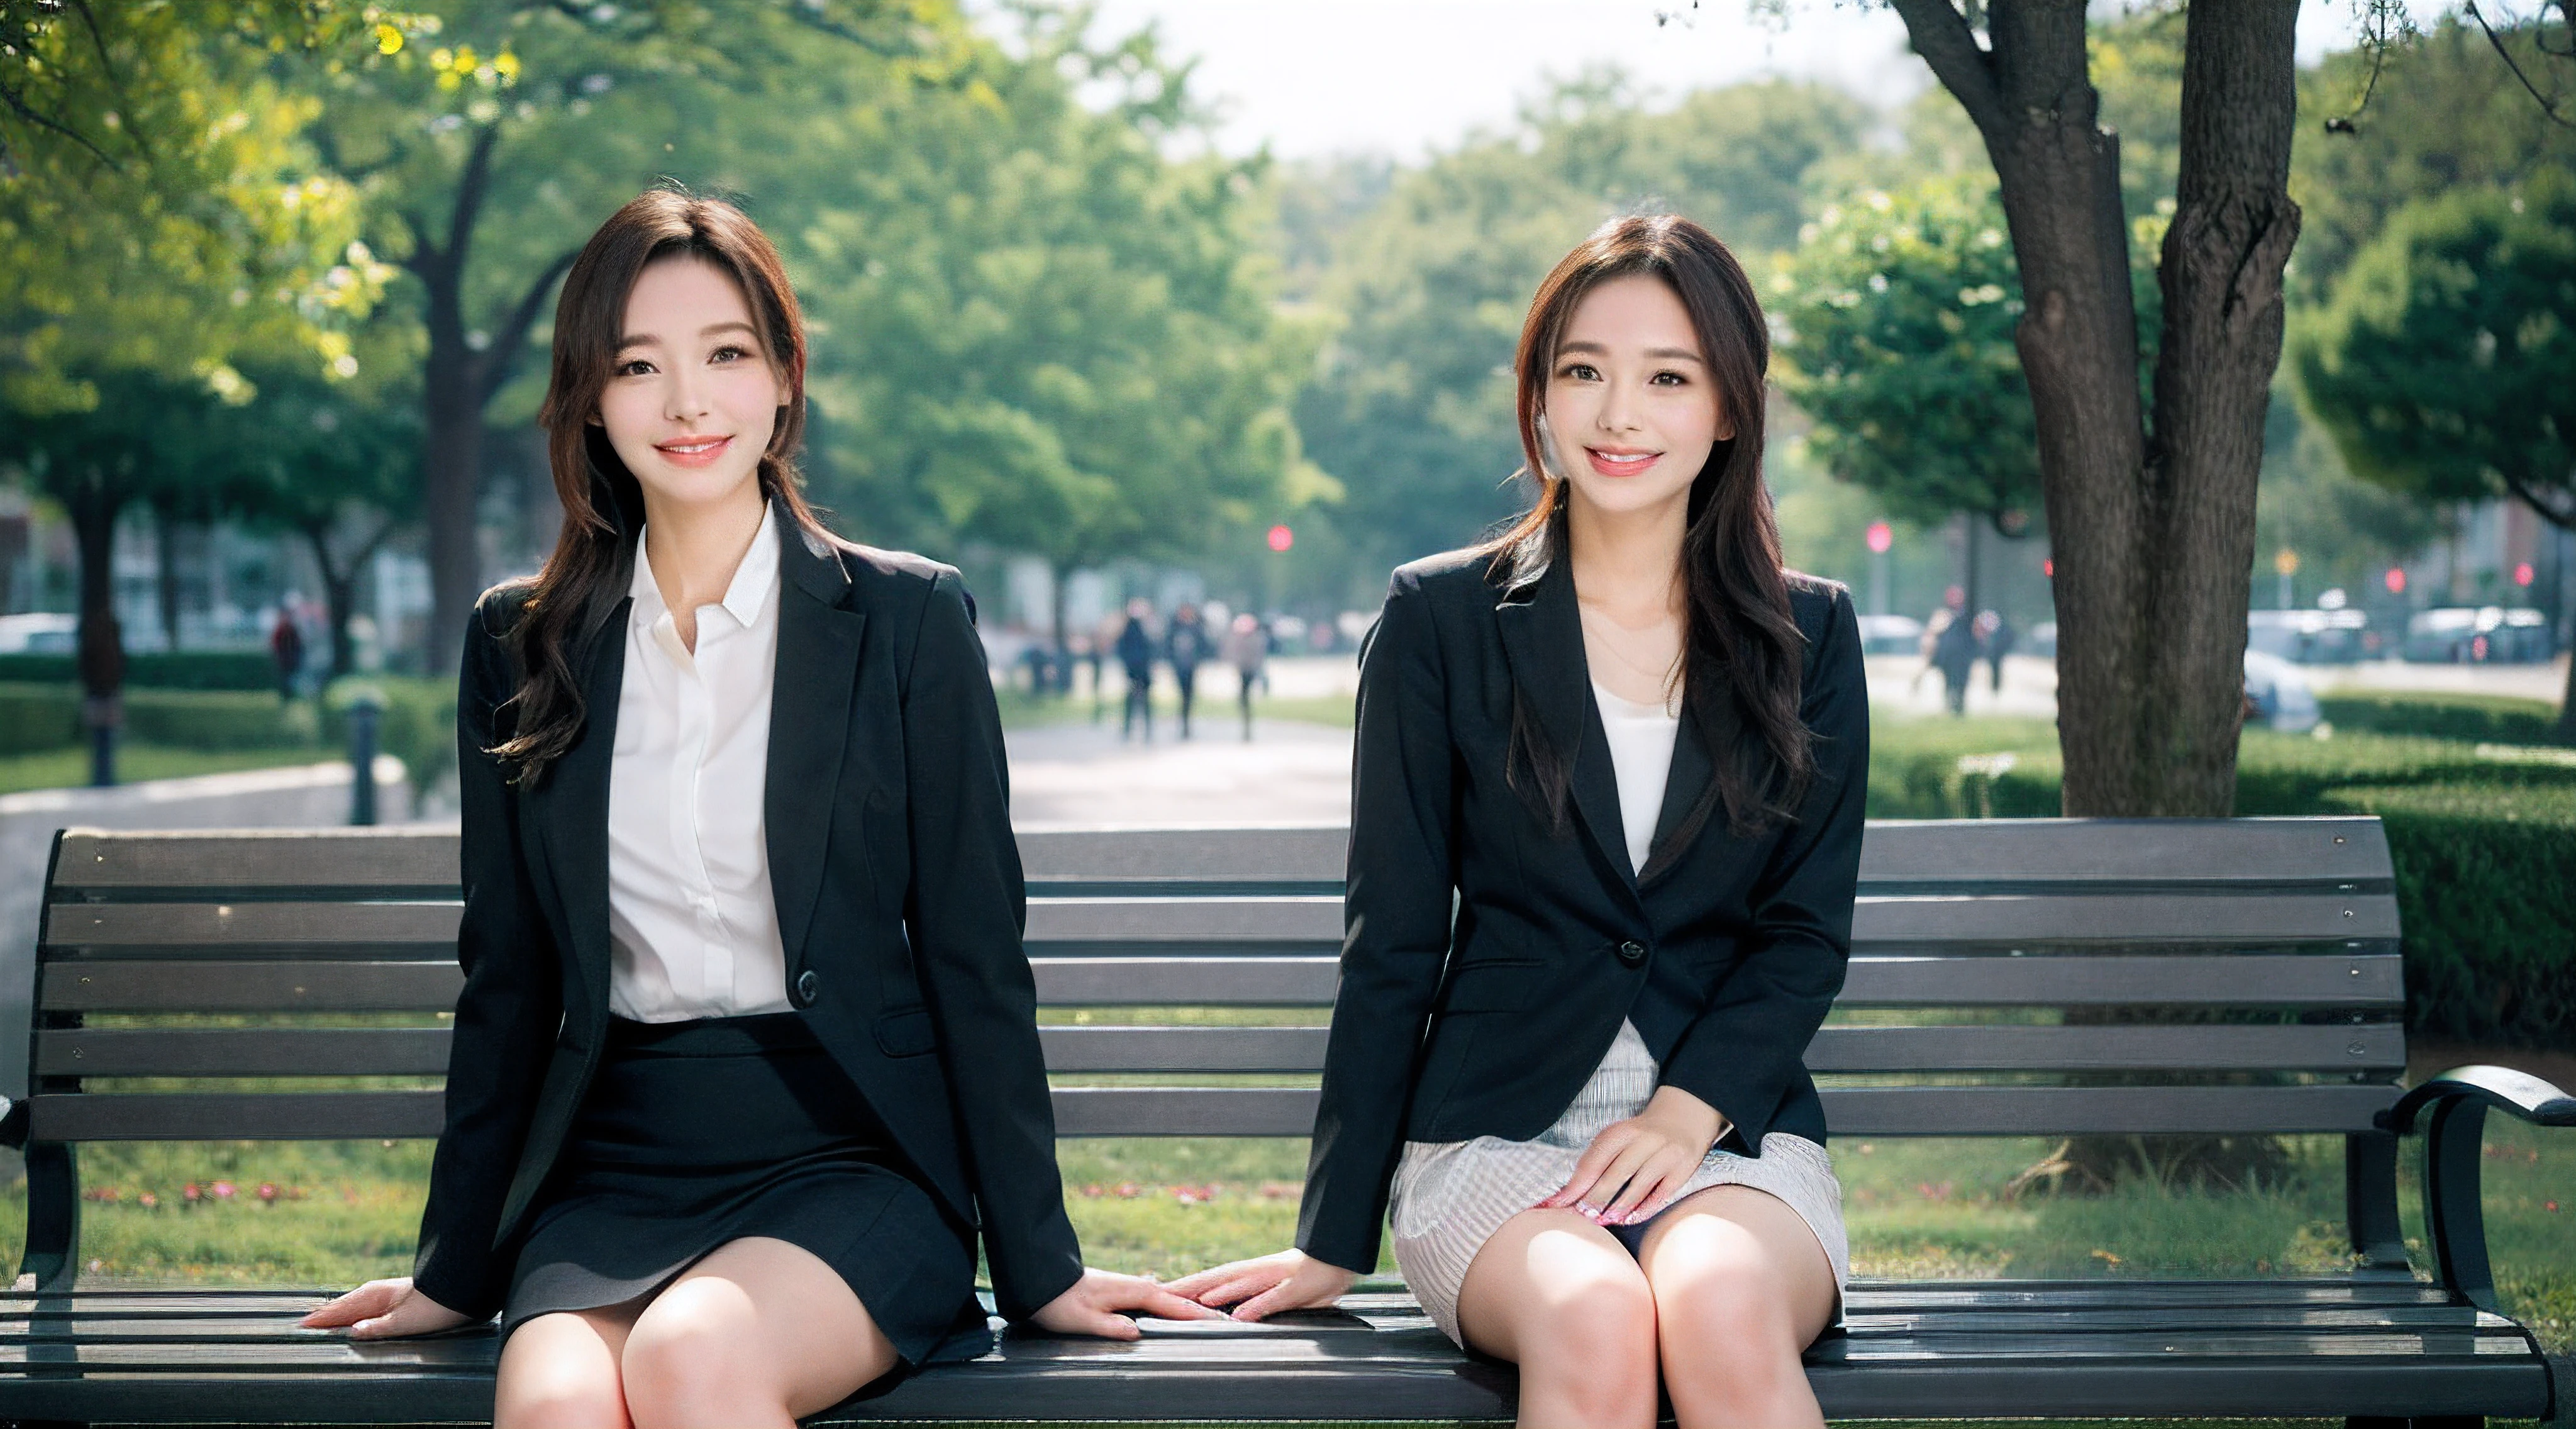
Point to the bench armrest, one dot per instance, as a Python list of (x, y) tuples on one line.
[(2453, 1108), (13, 1123)]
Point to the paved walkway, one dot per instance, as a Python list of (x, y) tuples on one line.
[(1083, 774)]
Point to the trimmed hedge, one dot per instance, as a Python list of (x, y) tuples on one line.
[(417, 726), (2484, 845), (36, 718), (163, 670), (2486, 884), (2476, 719)]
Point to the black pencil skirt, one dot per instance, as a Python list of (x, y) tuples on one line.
[(697, 1133)]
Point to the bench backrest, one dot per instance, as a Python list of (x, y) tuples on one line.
[(2242, 975)]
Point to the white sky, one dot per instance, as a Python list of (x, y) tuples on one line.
[(1403, 77)]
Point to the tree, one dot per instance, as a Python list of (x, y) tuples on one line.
[(2150, 498), (159, 218), (1899, 312), (2441, 366), (1031, 327), (492, 136)]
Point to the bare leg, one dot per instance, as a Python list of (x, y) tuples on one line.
[(759, 1333), (1561, 1298), (560, 1372), (1741, 1289)]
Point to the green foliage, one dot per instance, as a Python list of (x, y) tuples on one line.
[(216, 720), (158, 670), (1899, 311), (2439, 366), (2482, 882), (37, 717), (2476, 719), (1031, 326), (415, 723)]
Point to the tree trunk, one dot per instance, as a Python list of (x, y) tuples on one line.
[(165, 574), (338, 590), (93, 508), (2152, 541)]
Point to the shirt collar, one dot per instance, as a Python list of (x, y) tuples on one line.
[(753, 580)]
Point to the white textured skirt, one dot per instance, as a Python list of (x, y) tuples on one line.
[(1450, 1197)]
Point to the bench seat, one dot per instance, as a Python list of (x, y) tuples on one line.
[(2321, 1347), (2009, 978)]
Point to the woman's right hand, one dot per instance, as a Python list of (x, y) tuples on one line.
[(384, 1310), (1290, 1280)]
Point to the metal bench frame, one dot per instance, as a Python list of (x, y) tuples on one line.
[(2276, 940)]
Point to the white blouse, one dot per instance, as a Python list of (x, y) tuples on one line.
[(692, 926), (1641, 756)]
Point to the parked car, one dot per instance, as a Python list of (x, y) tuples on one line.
[(39, 633), (1891, 635), (2461, 635), (2311, 637), (2280, 693)]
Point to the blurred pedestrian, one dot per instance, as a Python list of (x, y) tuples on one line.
[(1136, 653), (1247, 649), (1954, 652), (1997, 635), (1187, 646), (286, 648), (1104, 637)]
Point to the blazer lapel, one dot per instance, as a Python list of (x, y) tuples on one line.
[(1691, 771), (572, 803), (809, 722), (1542, 632)]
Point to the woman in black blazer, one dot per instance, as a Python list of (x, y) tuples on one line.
[(746, 1057), (1604, 842)]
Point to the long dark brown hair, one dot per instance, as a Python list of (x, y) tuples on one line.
[(571, 599), (1742, 650)]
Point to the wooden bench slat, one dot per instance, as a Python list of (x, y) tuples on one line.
[(246, 1052), (219, 925), (2365, 981), (227, 985), (422, 1051), (387, 858)]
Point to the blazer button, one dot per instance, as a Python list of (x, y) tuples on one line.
[(807, 986), (1631, 952)]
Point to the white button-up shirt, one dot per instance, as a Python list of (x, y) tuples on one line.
[(692, 926)]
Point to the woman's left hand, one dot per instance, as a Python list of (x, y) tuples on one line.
[(1101, 1302), (1634, 1168)]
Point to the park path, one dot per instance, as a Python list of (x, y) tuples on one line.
[(1084, 774)]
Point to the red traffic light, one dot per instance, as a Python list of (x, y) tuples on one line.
[(1881, 537), (1281, 538), (2522, 574), (2396, 580)]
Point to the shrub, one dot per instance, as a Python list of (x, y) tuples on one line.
[(161, 670), (36, 718), (2489, 719), (417, 725), (2484, 889), (219, 720)]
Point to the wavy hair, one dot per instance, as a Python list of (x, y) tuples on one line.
[(573, 596), (1743, 652)]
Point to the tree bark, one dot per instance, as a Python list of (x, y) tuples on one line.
[(165, 573), (339, 589), (93, 506), (2152, 540), (458, 382)]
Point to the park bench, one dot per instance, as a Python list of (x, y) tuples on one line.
[(2263, 953)]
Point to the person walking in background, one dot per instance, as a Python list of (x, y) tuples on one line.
[(1136, 654), (1187, 647), (1954, 651), (1995, 635), (286, 648), (1247, 649)]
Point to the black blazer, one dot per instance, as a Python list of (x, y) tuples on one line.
[(1483, 1014), (899, 902)]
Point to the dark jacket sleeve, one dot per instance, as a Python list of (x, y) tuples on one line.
[(1396, 929), (965, 911), (1743, 1052), (507, 1016)]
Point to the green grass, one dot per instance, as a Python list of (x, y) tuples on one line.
[(67, 768)]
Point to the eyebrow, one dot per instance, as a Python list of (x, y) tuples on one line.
[(646, 339), (1681, 354)]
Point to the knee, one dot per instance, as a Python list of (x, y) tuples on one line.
[(549, 1394), (1726, 1332), (693, 1359), (1593, 1347)]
